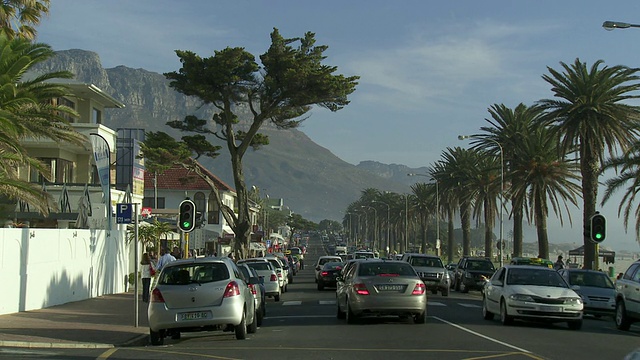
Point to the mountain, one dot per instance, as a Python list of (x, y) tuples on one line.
[(312, 181)]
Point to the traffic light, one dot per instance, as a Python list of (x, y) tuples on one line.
[(187, 216), (598, 228)]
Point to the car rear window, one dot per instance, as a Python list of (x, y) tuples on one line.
[(385, 269), (333, 265), (260, 265), (480, 265), (194, 273), (326, 260)]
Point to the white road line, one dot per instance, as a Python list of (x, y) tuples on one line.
[(299, 317), (469, 305), (483, 336), (429, 303), (327, 302), (289, 303)]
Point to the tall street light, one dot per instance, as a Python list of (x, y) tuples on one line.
[(375, 224), (388, 225), (612, 25), (500, 242), (437, 206)]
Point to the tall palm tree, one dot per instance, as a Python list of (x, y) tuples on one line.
[(423, 205), (509, 127), (18, 18), (544, 179), (448, 202), (589, 111), (486, 184)]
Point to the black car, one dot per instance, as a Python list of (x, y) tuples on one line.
[(473, 273), (328, 274)]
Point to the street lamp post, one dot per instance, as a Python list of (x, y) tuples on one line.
[(388, 225), (375, 224), (437, 206), (612, 25), (500, 242)]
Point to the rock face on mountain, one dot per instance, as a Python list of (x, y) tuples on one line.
[(312, 181)]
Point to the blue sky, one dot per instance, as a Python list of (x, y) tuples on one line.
[(429, 69)]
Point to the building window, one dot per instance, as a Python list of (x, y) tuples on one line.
[(68, 103), (61, 171), (213, 213), (96, 116), (151, 202)]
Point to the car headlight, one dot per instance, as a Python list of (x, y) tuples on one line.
[(573, 301), (520, 297)]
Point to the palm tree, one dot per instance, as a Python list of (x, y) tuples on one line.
[(423, 205), (18, 17), (544, 178), (486, 184), (509, 127), (589, 112), (448, 202)]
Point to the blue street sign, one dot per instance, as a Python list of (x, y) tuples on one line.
[(123, 213), (268, 243)]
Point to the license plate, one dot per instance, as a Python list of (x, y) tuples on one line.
[(390, 287), (550, 308), (194, 315)]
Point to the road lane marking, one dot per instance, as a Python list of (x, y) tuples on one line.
[(469, 305), (327, 302), (483, 336), (436, 303), (289, 303), (299, 317)]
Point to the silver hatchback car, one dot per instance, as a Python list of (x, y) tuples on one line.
[(201, 294)]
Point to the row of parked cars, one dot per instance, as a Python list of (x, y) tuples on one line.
[(215, 293)]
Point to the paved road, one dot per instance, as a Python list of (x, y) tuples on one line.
[(304, 325)]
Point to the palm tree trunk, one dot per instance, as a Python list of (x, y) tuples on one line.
[(451, 243), (465, 217), (517, 229), (541, 228), (488, 230), (590, 167)]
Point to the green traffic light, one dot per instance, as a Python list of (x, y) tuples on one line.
[(598, 236), (186, 224)]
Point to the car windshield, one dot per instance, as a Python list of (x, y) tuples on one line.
[(260, 265), (480, 265), (592, 279), (386, 269), (425, 261), (535, 277), (194, 273)]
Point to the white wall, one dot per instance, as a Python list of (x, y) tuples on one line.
[(46, 267)]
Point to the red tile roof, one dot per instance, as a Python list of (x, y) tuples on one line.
[(179, 178)]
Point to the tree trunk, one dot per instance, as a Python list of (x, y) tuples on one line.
[(590, 167), (451, 243), (517, 229), (489, 217), (465, 217), (541, 228)]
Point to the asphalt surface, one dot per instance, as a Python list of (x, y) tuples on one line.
[(103, 322)]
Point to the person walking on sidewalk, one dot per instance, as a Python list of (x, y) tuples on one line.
[(147, 271), (165, 258)]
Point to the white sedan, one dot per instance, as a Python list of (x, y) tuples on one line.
[(531, 293)]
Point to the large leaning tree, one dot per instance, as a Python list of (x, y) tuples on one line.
[(290, 80)]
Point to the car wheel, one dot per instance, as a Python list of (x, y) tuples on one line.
[(351, 317), (320, 286), (276, 297), (175, 335), (291, 280), (575, 325), (486, 314), (622, 320), (457, 285), (445, 292), (253, 327), (420, 318), (156, 337), (260, 315), (505, 318), (241, 329), (264, 309)]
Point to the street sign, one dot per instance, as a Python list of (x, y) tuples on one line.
[(268, 243), (145, 212), (123, 213)]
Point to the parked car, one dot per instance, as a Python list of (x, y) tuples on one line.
[(200, 294), (323, 260), (268, 274), (431, 270), (257, 288), (328, 274), (628, 297), (381, 287), (473, 273), (531, 293), (596, 289), (281, 271)]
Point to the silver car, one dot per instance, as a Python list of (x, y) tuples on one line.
[(257, 289), (268, 274), (201, 294), (431, 270), (596, 289), (381, 287)]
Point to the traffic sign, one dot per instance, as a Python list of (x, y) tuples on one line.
[(123, 213)]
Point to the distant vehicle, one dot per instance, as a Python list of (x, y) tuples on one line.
[(531, 261), (223, 299), (628, 297), (323, 260), (329, 274), (381, 287), (534, 293), (341, 249), (473, 273), (268, 274), (257, 288), (431, 270), (360, 254), (596, 289)]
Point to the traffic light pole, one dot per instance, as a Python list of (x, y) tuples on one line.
[(186, 245)]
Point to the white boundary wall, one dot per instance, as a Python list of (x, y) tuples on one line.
[(46, 267)]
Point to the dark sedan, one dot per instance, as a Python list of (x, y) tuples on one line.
[(328, 274)]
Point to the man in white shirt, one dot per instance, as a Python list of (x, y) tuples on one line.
[(164, 259)]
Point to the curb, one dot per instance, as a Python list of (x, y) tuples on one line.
[(140, 340)]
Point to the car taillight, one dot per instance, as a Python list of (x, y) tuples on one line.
[(279, 274), (232, 289), (361, 289), (253, 289), (273, 277), (324, 273), (419, 289), (156, 296)]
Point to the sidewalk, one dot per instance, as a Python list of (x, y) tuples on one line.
[(104, 322)]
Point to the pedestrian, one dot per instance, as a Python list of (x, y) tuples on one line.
[(165, 258), (232, 257), (147, 272), (559, 264), (176, 252)]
